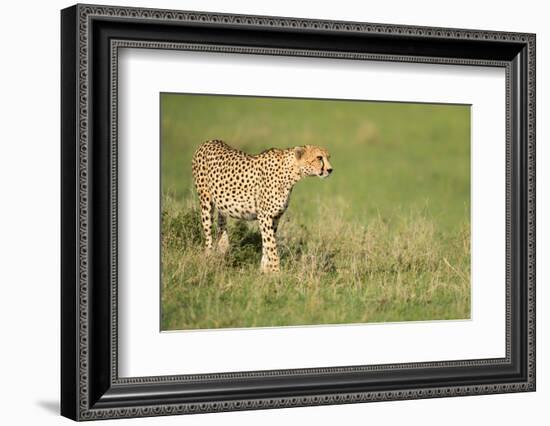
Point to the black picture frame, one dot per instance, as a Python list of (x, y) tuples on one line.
[(90, 386)]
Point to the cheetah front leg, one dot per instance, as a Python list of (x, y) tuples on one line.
[(270, 257), (223, 238)]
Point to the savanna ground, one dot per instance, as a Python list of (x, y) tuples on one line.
[(385, 238)]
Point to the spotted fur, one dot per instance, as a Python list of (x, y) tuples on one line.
[(251, 187)]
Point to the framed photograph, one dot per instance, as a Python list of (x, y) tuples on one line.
[(263, 212)]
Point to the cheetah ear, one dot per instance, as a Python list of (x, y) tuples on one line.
[(299, 151)]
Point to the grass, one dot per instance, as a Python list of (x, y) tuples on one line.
[(385, 238)]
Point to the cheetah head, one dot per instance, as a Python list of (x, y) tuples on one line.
[(312, 161)]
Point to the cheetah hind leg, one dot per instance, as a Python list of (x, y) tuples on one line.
[(207, 209), (223, 237)]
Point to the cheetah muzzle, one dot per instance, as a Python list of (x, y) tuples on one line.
[(251, 187)]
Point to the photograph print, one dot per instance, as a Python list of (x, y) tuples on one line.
[(300, 212)]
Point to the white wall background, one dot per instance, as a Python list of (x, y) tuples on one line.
[(29, 211)]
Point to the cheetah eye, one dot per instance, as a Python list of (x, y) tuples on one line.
[(319, 158)]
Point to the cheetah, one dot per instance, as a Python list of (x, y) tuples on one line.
[(251, 187)]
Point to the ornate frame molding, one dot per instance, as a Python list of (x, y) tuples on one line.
[(82, 17)]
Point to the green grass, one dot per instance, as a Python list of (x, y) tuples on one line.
[(385, 238)]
